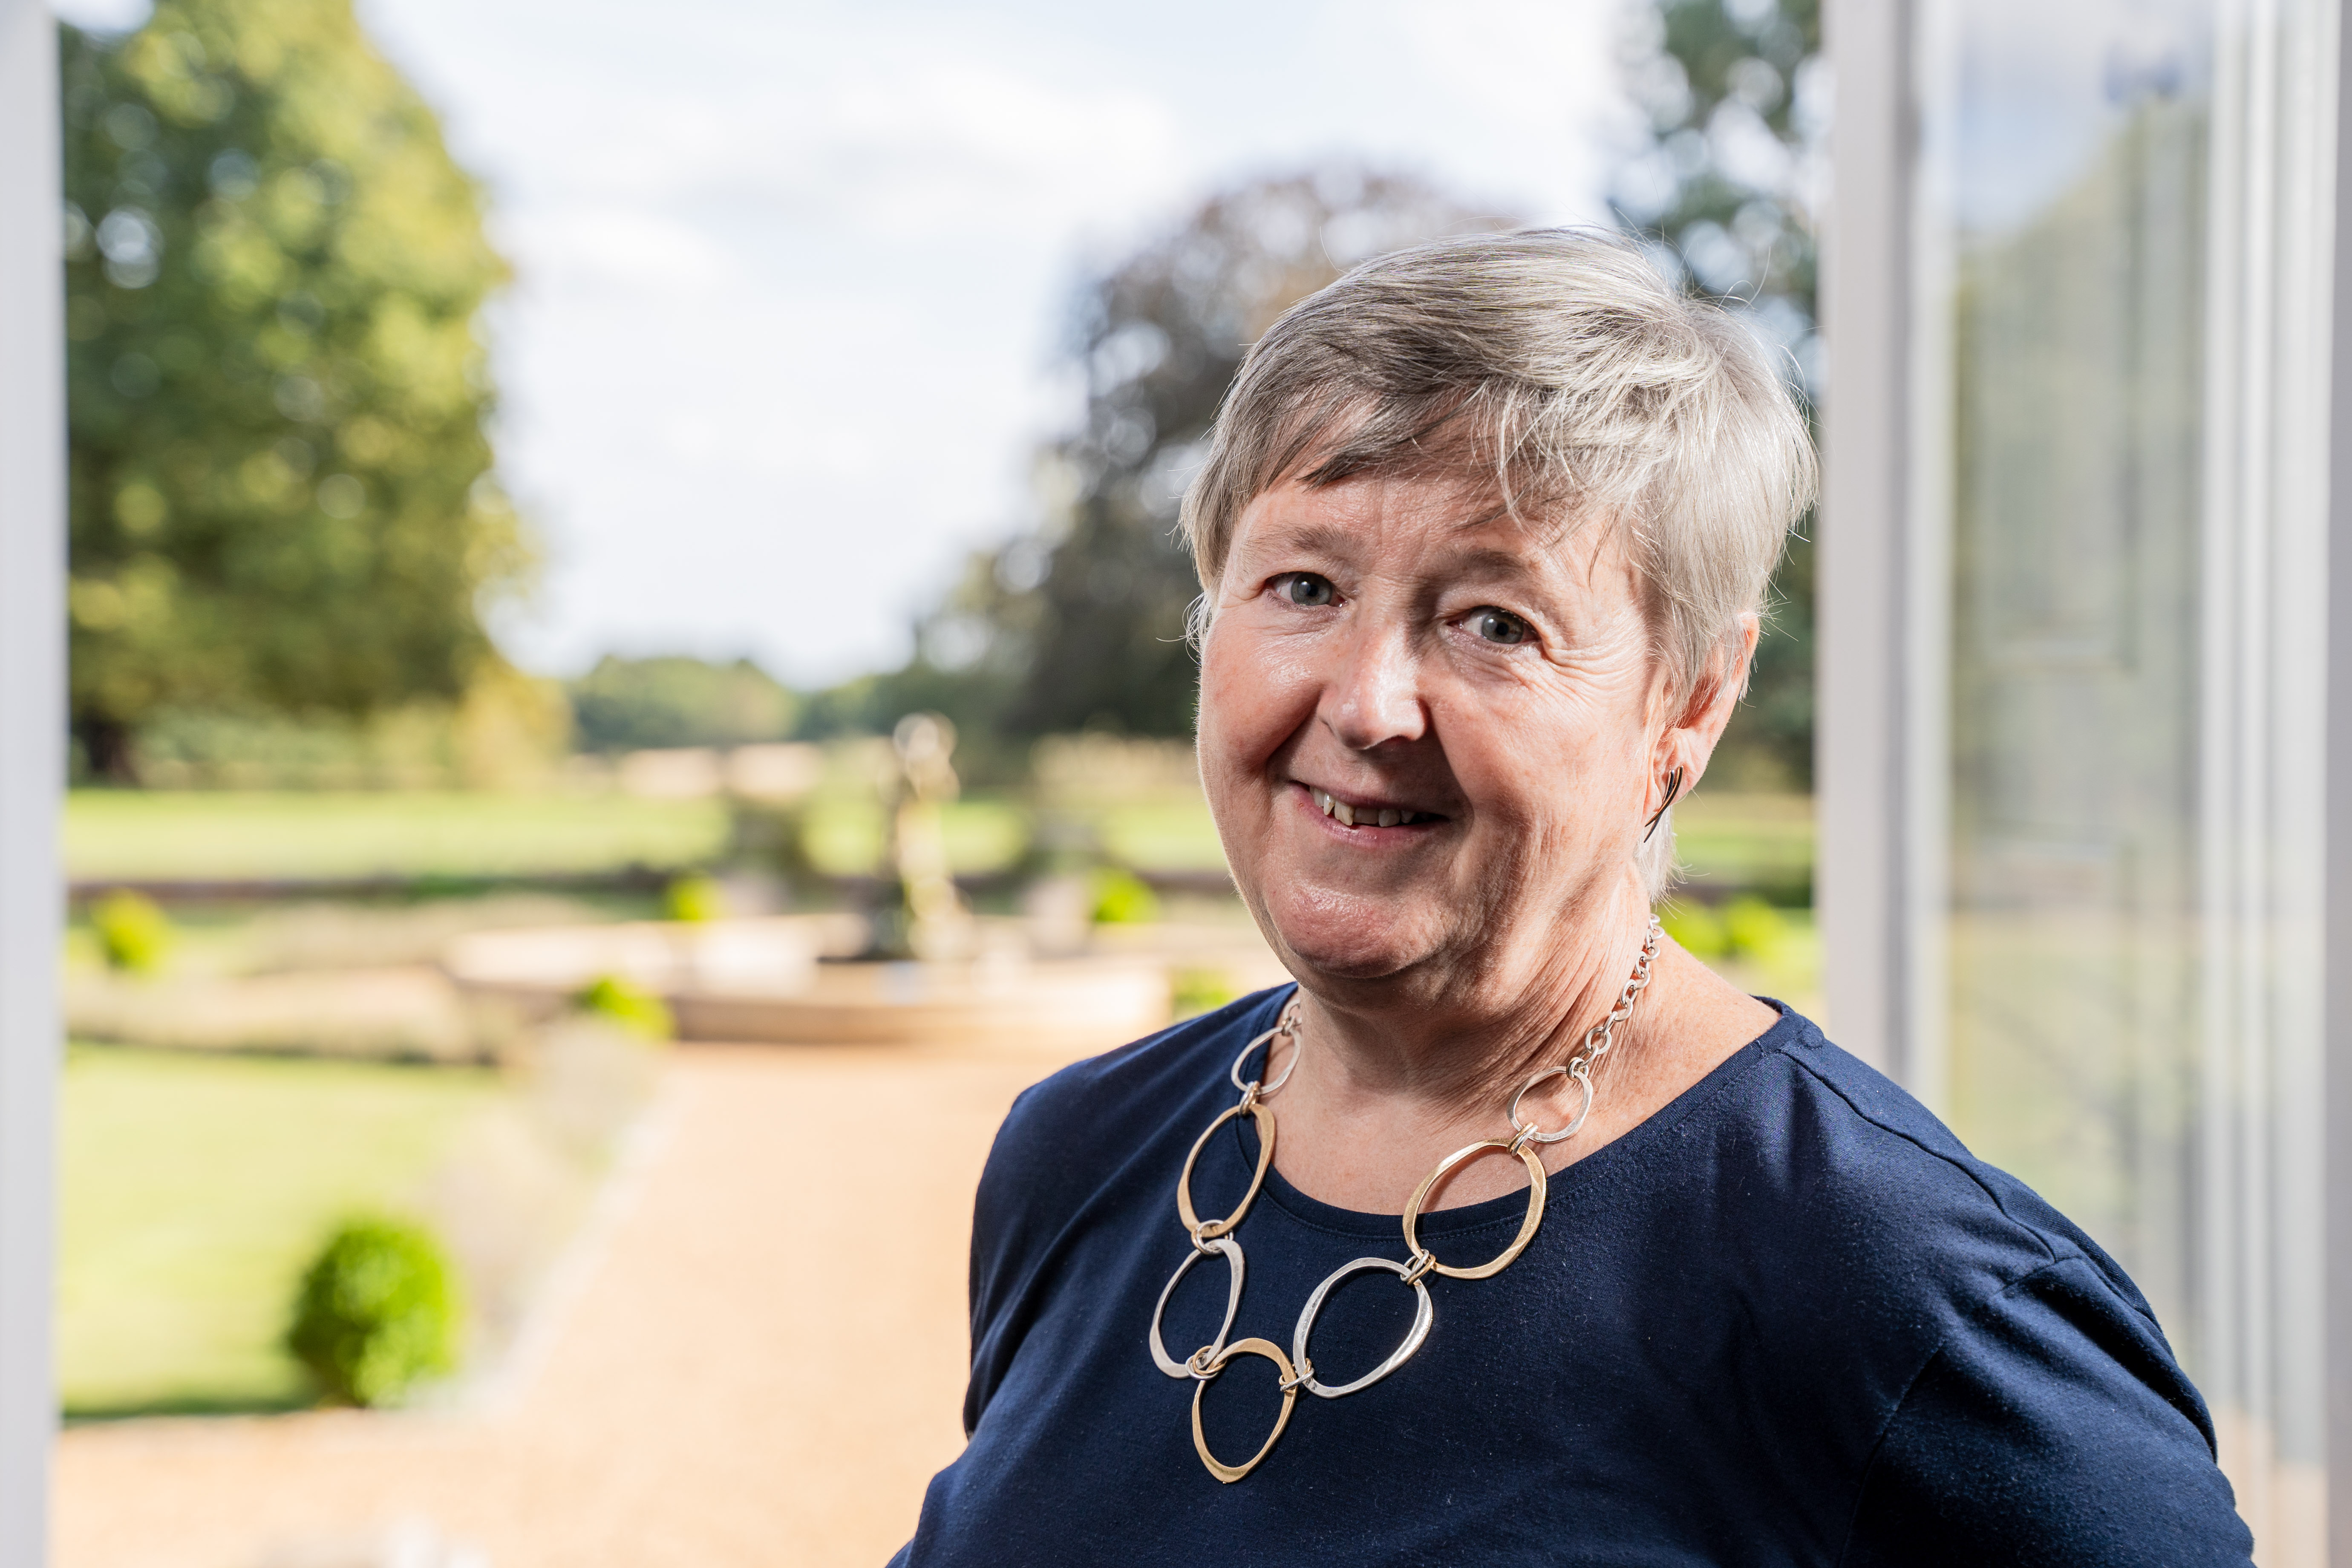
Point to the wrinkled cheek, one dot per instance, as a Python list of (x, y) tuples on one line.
[(1224, 745), (1215, 724), (1547, 813), (1250, 703)]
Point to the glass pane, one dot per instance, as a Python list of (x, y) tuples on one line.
[(2075, 175), (2124, 221)]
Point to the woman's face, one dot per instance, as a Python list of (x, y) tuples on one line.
[(1478, 694)]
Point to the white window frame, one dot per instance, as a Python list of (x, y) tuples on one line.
[(32, 758), (2336, 937)]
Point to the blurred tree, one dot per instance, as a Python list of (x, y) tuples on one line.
[(282, 498), (1727, 188), (1081, 625), (626, 703)]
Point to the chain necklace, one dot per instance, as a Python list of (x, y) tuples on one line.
[(1214, 1237)]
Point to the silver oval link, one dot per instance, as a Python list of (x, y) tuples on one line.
[(1287, 1025), (1597, 1041), (1574, 1127), (1170, 1365), (1424, 1314)]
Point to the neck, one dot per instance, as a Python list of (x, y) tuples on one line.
[(1387, 1085), (1459, 1044)]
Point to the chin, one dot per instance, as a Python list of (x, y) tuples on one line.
[(1349, 937)]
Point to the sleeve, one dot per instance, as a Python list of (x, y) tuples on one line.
[(1000, 1220), (2054, 1427)]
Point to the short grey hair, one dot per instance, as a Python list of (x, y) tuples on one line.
[(1561, 363)]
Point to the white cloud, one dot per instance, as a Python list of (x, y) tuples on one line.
[(1539, 65), (629, 248)]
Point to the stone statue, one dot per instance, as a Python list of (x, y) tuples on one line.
[(935, 923)]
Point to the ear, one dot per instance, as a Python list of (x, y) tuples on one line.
[(1688, 740)]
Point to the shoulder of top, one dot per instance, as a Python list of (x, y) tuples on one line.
[(1885, 1161), (1122, 1088)]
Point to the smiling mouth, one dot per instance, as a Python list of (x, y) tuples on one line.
[(1346, 816)]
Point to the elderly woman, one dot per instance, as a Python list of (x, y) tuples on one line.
[(1511, 1233)]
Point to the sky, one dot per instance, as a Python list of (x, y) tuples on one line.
[(791, 277)]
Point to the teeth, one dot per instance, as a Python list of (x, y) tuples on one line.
[(1384, 816)]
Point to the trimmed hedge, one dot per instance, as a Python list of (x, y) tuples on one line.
[(377, 1312)]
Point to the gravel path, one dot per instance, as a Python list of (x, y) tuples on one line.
[(762, 1361)]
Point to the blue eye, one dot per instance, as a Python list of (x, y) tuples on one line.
[(1499, 626), (1306, 588)]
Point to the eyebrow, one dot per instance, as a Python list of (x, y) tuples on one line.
[(1489, 558), (1328, 538), (1334, 538)]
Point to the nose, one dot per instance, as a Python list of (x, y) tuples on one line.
[(1374, 695)]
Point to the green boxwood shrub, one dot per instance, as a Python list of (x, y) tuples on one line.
[(1192, 991), (1123, 899), (627, 1004), (695, 899), (378, 1311), (1754, 927), (1697, 928), (134, 934), (1745, 927)]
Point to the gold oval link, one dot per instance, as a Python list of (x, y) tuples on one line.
[(1536, 1183), (1216, 1227), (1273, 1352)]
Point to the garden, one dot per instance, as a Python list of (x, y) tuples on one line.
[(203, 1181), (213, 1146)]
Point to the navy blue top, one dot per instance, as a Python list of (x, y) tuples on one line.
[(1786, 1320)]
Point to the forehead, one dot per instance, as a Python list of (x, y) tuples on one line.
[(1438, 521)]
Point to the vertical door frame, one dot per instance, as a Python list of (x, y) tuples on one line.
[(2336, 1016), (1875, 879), (32, 756)]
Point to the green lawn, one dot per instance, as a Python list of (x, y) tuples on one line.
[(1727, 841), (229, 834), (847, 836), (1734, 841), (195, 1190), (1168, 835), (1723, 840)]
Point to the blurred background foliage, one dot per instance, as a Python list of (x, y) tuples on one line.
[(624, 704), (281, 491), (1727, 189)]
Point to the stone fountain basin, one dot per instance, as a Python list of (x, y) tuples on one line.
[(549, 965), (769, 980)]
